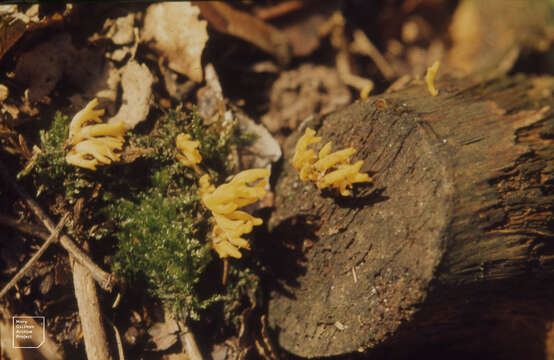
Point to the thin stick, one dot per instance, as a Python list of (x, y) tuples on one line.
[(96, 341), (188, 341), (104, 279), (98, 274), (279, 10), (53, 237), (119, 343), (30, 229), (363, 45)]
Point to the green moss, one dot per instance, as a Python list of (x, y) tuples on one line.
[(158, 237), (151, 210)]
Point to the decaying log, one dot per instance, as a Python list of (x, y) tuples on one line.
[(452, 244)]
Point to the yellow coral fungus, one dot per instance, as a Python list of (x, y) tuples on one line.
[(303, 157), (430, 78), (331, 169), (93, 145), (231, 224), (190, 156)]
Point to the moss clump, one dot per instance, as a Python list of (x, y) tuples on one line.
[(158, 236), (53, 174), (150, 208), (215, 141)]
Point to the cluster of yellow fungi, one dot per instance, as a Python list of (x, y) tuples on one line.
[(189, 154), (327, 170), (93, 144), (225, 201)]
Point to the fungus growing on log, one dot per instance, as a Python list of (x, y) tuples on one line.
[(331, 169), (430, 78), (449, 248)]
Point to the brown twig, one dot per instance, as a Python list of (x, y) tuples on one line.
[(53, 237), (98, 274), (118, 342), (104, 279), (188, 341), (96, 342), (279, 10), (363, 45), (30, 229)]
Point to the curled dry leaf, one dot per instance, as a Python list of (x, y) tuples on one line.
[(121, 30), (14, 23), (308, 90), (136, 81), (489, 35), (164, 334), (223, 18), (261, 152), (175, 32)]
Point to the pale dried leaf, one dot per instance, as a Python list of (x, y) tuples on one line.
[(136, 81), (164, 334), (175, 32), (265, 149), (121, 31), (488, 36)]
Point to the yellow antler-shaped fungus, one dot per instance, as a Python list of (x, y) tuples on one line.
[(331, 169), (304, 158), (93, 145), (231, 224), (190, 156)]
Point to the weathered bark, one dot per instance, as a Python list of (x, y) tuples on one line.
[(453, 243)]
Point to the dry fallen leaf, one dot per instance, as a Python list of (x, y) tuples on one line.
[(136, 81), (223, 18), (264, 150), (120, 31), (299, 93), (488, 35), (14, 23), (175, 32), (164, 334)]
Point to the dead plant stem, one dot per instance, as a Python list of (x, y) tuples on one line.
[(104, 279), (53, 237)]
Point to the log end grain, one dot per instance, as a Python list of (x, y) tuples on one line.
[(376, 251)]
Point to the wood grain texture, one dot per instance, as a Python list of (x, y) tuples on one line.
[(460, 211)]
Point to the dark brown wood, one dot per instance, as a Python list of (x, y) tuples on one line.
[(452, 244)]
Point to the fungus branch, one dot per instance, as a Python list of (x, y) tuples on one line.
[(224, 201), (332, 169)]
